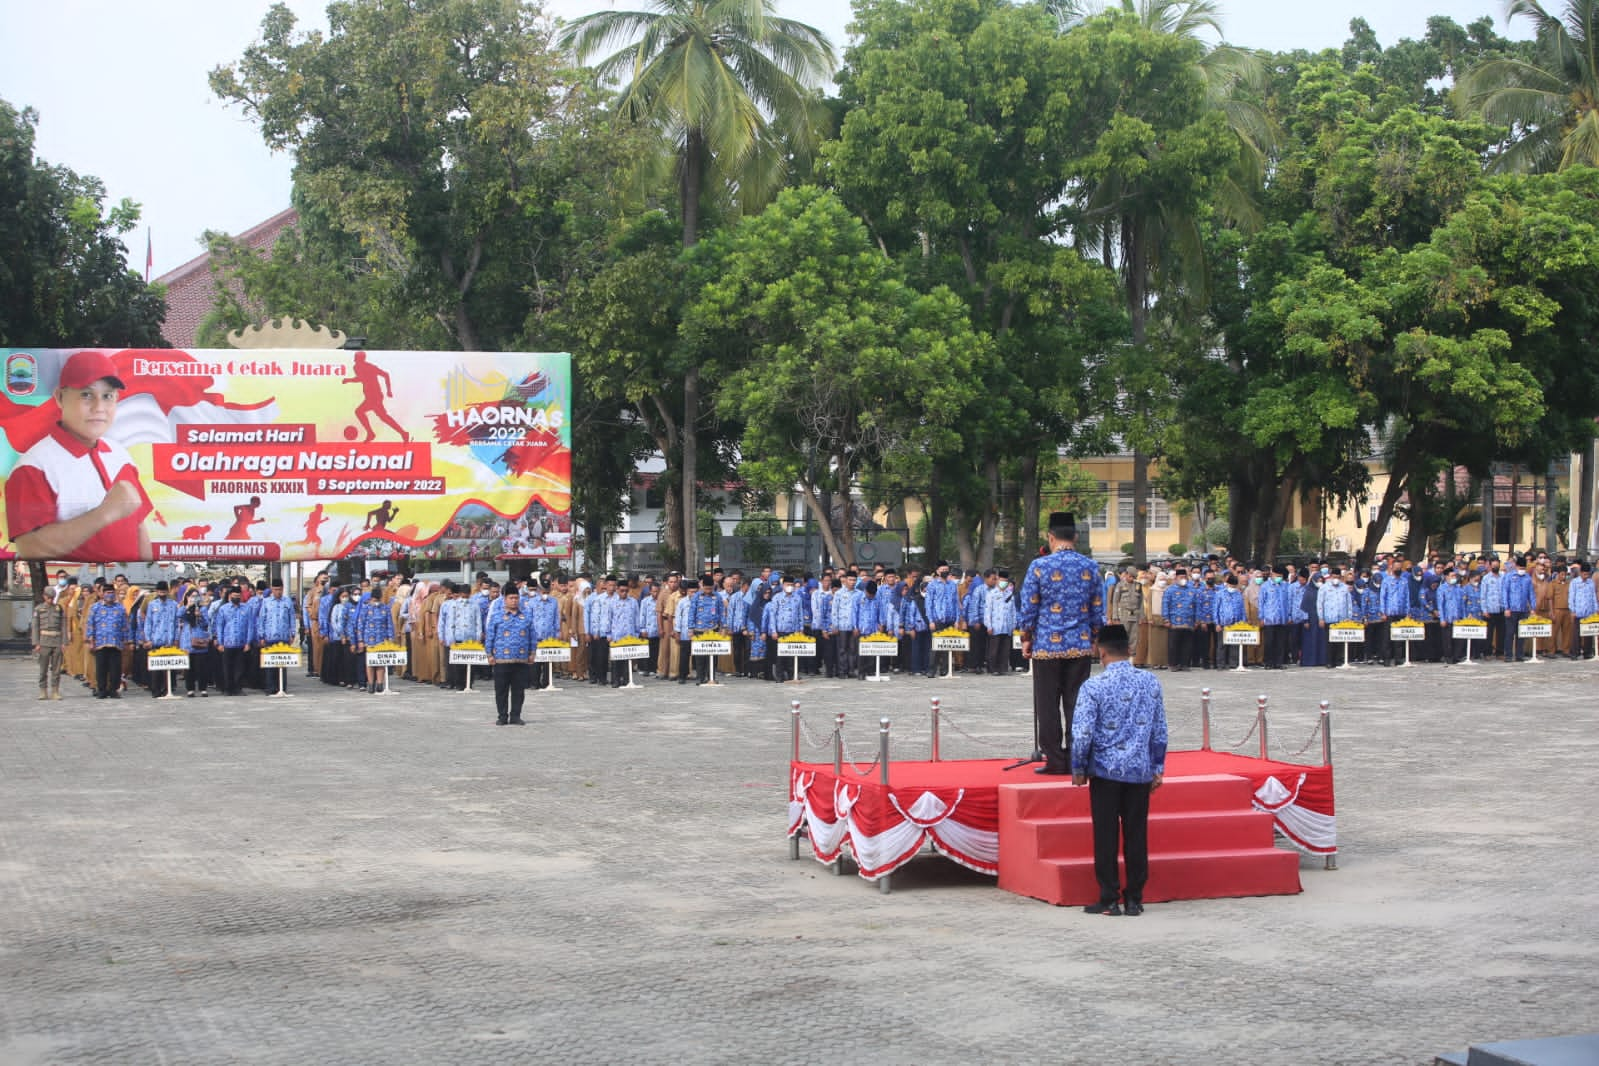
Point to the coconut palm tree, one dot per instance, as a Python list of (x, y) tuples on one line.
[(729, 87), (1139, 227), (1550, 102)]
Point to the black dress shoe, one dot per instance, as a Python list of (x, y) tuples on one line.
[(501, 721), (1132, 908), (1055, 771), (517, 721), (1111, 910)]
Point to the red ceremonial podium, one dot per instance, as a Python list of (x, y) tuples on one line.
[(1212, 824)]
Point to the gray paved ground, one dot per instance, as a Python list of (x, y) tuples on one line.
[(350, 879)]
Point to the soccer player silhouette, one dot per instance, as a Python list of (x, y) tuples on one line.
[(375, 386)]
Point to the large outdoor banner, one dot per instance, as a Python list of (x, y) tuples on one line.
[(161, 454)]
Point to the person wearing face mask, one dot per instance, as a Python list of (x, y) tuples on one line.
[(1181, 602), (158, 628), (1159, 634), (1274, 618), (1312, 637), (1127, 610), (1226, 609), (1493, 608), (1204, 653), (1334, 603), (1519, 593), (1452, 609), (233, 636), (999, 618), (108, 632), (1582, 602), (784, 615), (1561, 610), (335, 656)]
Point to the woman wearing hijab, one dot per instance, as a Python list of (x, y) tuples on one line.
[(1157, 621), (759, 665), (194, 637)]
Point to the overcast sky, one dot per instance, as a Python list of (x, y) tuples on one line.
[(121, 91)]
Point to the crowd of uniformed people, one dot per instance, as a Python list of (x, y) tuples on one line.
[(1177, 613)]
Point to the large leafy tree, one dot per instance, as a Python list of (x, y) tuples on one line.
[(962, 124), (64, 279), (1550, 99), (831, 351), (448, 139), (727, 86)]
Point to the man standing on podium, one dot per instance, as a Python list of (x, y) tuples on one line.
[(1062, 610)]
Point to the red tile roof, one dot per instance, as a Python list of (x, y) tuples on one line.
[(191, 289)]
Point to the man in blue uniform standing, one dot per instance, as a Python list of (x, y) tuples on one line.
[(1119, 752), (1062, 609), (108, 631), (509, 643), (158, 628), (275, 623), (785, 615)]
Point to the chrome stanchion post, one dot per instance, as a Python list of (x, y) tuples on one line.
[(794, 721), (1326, 760), (1204, 718), (1260, 722), (935, 728), (883, 884), (882, 748), (1326, 734), (838, 775)]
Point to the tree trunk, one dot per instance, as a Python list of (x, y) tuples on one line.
[(690, 512), (1490, 501), (985, 547), (963, 540), (1551, 513), (846, 491), (37, 578), (1515, 507), (1136, 265), (818, 509), (937, 512), (1385, 514), (1030, 507), (693, 179), (1282, 500), (1583, 498)]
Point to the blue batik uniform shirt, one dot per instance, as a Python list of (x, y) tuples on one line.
[(943, 602), (233, 626), (1181, 606), (159, 625), (510, 636), (1119, 726), (107, 624), (705, 613), (999, 610), (785, 614), (275, 620), (1063, 605), (377, 624)]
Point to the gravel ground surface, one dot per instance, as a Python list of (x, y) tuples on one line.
[(346, 878)]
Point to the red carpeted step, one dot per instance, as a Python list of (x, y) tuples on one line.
[(1056, 797), (1168, 831), (1206, 840), (1172, 876)]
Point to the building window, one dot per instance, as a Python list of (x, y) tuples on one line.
[(1159, 509), (1374, 511), (1100, 519), (654, 497)]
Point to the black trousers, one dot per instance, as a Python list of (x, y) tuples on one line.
[(107, 670), (541, 673), (1179, 646), (1055, 685), (1376, 649), (232, 671), (977, 659), (827, 648), (1276, 638), (599, 659), (741, 654), (510, 689), (199, 675), (1120, 810), (685, 659), (1514, 646), (649, 664), (999, 653), (785, 669), (847, 642), (1496, 633)]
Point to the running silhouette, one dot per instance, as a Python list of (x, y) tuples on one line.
[(243, 518), (378, 518), (313, 525), (375, 387)]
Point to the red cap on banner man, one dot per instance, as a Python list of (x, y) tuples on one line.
[(85, 368)]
